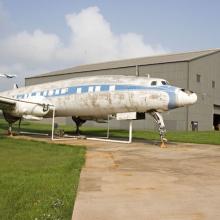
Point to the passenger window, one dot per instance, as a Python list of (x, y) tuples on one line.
[(111, 88), (97, 88), (79, 90), (154, 83), (64, 90), (45, 93), (90, 89), (50, 93), (57, 92)]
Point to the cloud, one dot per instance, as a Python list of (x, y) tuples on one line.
[(33, 48), (132, 45), (91, 40)]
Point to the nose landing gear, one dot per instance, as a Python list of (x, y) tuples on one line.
[(161, 127)]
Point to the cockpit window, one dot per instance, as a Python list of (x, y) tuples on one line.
[(154, 83), (164, 82), (188, 92)]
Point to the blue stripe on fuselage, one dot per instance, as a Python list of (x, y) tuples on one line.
[(172, 98), (170, 90)]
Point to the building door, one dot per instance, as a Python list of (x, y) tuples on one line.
[(216, 117), (216, 122)]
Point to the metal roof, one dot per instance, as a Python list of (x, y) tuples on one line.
[(167, 58)]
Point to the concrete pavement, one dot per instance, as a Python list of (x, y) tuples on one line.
[(141, 181)]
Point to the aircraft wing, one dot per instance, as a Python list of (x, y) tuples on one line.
[(7, 103), (35, 108)]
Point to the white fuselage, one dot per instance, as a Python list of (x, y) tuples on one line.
[(98, 96)]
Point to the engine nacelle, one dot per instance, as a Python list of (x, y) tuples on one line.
[(32, 118), (26, 108)]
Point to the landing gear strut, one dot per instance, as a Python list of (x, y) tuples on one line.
[(19, 125), (161, 127), (10, 133), (11, 120), (10, 129), (79, 122)]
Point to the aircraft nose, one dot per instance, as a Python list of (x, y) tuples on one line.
[(193, 98), (185, 97)]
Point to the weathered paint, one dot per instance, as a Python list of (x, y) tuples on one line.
[(98, 96)]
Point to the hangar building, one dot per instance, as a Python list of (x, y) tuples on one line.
[(198, 71)]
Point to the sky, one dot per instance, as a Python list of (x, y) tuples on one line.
[(45, 35)]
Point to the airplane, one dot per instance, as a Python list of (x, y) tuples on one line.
[(94, 98), (9, 76)]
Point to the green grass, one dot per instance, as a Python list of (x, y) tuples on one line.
[(201, 137), (38, 180), (30, 126)]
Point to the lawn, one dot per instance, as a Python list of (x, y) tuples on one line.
[(201, 137), (38, 180)]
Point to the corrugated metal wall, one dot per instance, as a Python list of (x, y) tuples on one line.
[(209, 69), (182, 74)]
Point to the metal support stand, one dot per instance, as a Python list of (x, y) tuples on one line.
[(130, 131), (68, 137), (95, 139), (116, 141), (53, 121), (52, 129), (10, 130), (108, 128), (105, 139)]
